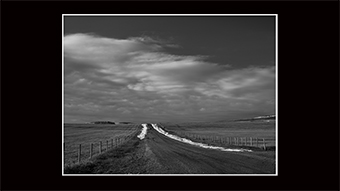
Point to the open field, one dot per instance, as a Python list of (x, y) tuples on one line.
[(85, 134)]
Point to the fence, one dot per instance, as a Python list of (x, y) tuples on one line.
[(84, 152), (257, 142)]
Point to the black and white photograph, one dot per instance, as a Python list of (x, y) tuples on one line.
[(179, 95)]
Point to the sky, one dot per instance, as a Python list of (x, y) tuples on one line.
[(168, 68)]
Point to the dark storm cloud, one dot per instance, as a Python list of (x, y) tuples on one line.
[(136, 79)]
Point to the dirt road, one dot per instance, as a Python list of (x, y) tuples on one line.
[(177, 157), (159, 154)]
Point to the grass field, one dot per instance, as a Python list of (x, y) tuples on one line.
[(85, 134), (223, 130)]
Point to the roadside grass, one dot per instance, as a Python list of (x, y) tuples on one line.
[(85, 134), (124, 159)]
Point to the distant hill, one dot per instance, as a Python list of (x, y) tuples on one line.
[(103, 122), (124, 122), (110, 122), (266, 118)]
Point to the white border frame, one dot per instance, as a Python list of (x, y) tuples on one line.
[(276, 94)]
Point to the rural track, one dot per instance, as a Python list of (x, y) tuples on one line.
[(159, 154), (175, 157)]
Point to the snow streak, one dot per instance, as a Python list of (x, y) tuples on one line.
[(184, 140), (141, 136)]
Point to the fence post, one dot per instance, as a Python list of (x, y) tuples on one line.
[(79, 153), (100, 147), (264, 144), (91, 150), (116, 142), (251, 141), (107, 145), (257, 142)]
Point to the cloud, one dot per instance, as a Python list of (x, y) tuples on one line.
[(249, 83), (136, 79)]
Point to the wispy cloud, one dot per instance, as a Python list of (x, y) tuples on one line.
[(136, 79)]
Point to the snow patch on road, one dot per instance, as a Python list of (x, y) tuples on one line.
[(141, 136), (184, 140)]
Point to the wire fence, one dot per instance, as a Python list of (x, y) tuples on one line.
[(263, 143), (83, 152)]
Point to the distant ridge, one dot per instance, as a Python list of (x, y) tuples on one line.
[(259, 118), (124, 122), (110, 122), (103, 122)]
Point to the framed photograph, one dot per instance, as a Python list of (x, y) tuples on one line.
[(159, 95), (170, 94)]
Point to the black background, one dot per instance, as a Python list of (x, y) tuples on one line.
[(308, 66)]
